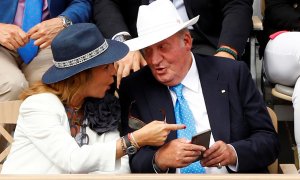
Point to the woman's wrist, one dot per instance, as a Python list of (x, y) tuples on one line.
[(139, 138), (133, 141), (120, 148)]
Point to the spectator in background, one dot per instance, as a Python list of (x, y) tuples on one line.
[(282, 53), (217, 94), (222, 30), (54, 133), (25, 38)]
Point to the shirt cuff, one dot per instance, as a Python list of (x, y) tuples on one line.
[(120, 33), (236, 167), (156, 169)]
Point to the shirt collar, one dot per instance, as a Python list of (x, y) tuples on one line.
[(191, 80)]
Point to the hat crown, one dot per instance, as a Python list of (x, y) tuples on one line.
[(156, 16), (80, 47), (156, 22), (72, 42)]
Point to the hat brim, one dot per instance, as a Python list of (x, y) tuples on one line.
[(157, 36), (115, 51)]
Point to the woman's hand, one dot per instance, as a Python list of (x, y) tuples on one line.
[(132, 61), (155, 133)]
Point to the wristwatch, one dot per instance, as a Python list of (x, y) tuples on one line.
[(130, 148), (66, 21), (122, 37)]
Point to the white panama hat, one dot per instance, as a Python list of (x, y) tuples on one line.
[(156, 22)]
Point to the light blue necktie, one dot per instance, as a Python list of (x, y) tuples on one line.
[(184, 115), (32, 16)]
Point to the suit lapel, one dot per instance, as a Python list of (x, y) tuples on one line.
[(158, 97), (215, 94), (9, 16)]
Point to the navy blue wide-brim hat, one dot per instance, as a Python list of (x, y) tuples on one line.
[(80, 47)]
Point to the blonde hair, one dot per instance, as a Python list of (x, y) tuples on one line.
[(64, 90)]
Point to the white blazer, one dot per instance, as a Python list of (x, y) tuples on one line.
[(43, 144)]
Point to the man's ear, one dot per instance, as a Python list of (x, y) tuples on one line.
[(188, 41)]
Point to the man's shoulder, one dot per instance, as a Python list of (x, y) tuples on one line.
[(226, 69), (140, 75), (218, 63), (137, 80)]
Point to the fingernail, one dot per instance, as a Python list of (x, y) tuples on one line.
[(184, 127)]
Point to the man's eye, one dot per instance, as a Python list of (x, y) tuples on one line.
[(163, 46)]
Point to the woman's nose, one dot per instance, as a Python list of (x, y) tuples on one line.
[(112, 69)]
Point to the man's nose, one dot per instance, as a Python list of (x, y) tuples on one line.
[(156, 58)]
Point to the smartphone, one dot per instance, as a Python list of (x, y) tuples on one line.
[(203, 139)]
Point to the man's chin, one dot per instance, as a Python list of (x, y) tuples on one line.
[(164, 80)]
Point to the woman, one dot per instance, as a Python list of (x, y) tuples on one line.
[(282, 52), (53, 134)]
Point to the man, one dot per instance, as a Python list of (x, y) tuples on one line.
[(222, 30), (19, 68), (218, 93)]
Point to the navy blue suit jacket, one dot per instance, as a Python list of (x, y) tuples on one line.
[(238, 116), (77, 11)]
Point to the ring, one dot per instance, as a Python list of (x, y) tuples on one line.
[(219, 166)]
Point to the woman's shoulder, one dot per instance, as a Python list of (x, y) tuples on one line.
[(46, 101), (43, 97)]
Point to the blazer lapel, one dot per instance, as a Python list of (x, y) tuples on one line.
[(8, 16), (215, 94), (158, 97)]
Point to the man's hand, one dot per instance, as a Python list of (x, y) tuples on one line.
[(132, 61), (44, 32), (12, 37), (177, 153), (219, 152)]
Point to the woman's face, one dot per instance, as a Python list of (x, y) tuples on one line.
[(100, 81)]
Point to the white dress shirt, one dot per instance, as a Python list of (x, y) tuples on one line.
[(192, 92)]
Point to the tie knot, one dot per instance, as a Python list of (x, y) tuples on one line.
[(177, 89)]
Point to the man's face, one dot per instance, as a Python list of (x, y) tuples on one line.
[(170, 59)]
